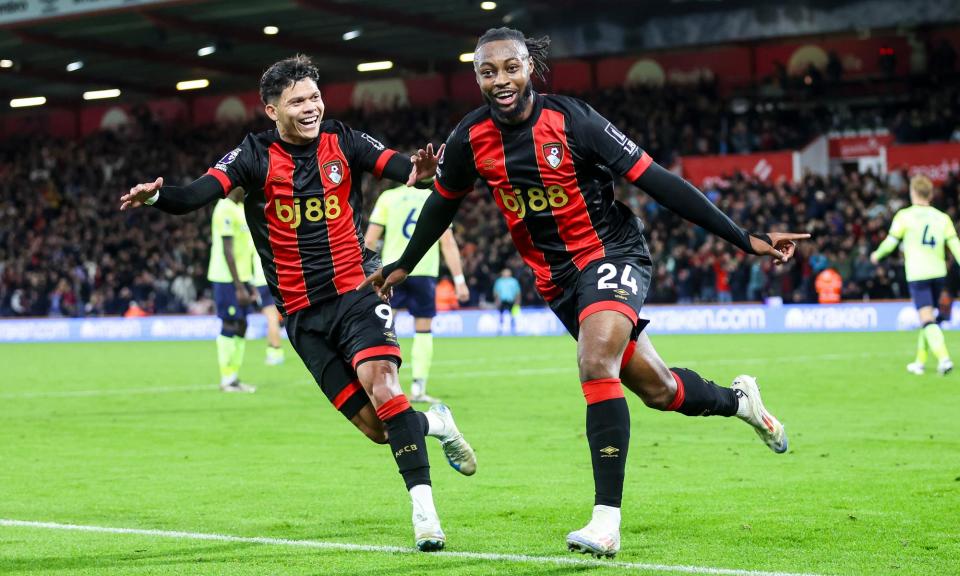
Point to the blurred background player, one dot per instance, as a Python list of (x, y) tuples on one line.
[(269, 309), (230, 273), (922, 231), (394, 217), (506, 294)]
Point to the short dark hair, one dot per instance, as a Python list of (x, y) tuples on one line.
[(284, 74), (537, 48)]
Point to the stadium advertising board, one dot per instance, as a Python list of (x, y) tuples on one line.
[(741, 319), (858, 146), (857, 56), (935, 161), (728, 66), (706, 171)]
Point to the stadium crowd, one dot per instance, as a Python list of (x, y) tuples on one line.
[(66, 250)]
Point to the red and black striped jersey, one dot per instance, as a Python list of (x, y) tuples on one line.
[(303, 205), (552, 177)]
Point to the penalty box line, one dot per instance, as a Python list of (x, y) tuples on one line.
[(518, 558)]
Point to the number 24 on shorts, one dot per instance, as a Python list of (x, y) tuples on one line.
[(608, 271)]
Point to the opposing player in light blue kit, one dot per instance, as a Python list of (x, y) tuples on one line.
[(394, 217), (922, 231)]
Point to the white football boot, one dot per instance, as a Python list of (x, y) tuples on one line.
[(751, 411), (915, 368), (945, 366), (429, 536), (457, 450), (601, 537)]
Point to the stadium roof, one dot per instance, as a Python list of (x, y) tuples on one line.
[(144, 47)]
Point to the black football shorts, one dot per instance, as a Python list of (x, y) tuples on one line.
[(335, 336), (618, 283)]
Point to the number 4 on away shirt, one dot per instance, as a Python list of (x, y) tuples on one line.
[(552, 178), (923, 232), (303, 205)]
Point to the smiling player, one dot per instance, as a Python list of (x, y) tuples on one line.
[(549, 162), (303, 205)]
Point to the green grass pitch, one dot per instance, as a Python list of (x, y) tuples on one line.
[(136, 435)]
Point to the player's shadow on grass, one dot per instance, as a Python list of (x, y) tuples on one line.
[(202, 559), (140, 557), (211, 410), (471, 566)]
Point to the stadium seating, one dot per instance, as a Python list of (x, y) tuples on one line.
[(66, 250)]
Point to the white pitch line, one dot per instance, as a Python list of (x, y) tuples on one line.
[(518, 558)]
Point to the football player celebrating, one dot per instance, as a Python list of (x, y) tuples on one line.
[(549, 162), (303, 205)]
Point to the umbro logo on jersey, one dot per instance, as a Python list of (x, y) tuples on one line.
[(333, 170), (487, 164), (553, 154), (278, 179)]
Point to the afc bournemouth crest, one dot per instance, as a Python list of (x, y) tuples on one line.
[(553, 154), (333, 170)]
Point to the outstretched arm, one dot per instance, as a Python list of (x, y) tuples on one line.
[(435, 218), (601, 142), (173, 199), (682, 198)]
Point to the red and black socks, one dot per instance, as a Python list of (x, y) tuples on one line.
[(608, 434), (405, 430), (699, 397)]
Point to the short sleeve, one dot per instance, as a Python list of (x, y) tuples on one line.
[(949, 230), (898, 226), (380, 210), (366, 153), (456, 172), (603, 143), (223, 221), (238, 167)]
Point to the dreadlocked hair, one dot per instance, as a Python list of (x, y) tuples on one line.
[(537, 48)]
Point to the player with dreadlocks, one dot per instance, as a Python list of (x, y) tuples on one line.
[(550, 163)]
